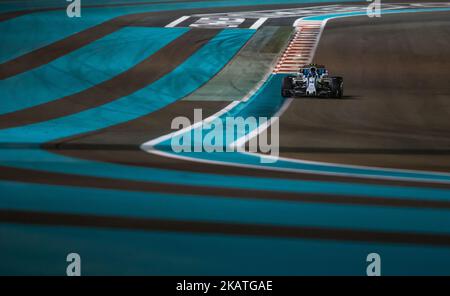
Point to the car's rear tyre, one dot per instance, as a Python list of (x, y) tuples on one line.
[(286, 87), (337, 87)]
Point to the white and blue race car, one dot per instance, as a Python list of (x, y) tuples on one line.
[(312, 81)]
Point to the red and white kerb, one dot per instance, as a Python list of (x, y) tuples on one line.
[(301, 48)]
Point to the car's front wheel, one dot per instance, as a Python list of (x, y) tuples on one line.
[(286, 87)]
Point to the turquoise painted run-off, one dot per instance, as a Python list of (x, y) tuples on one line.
[(193, 73), (39, 249), (84, 68)]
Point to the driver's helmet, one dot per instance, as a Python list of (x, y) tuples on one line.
[(312, 71)]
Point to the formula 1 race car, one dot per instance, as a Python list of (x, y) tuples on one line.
[(312, 81)]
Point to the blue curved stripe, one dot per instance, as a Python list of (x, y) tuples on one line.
[(46, 161), (32, 249), (32, 31), (108, 202), (187, 77), (84, 68)]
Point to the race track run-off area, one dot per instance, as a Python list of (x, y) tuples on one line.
[(87, 164)]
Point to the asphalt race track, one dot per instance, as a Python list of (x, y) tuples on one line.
[(392, 115), (86, 163)]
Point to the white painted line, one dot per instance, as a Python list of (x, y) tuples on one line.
[(177, 21), (242, 140), (147, 146), (258, 23)]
